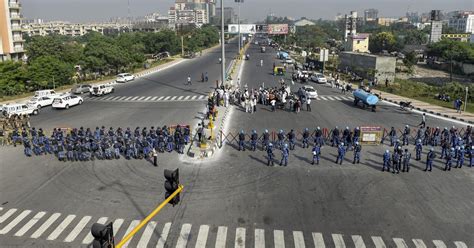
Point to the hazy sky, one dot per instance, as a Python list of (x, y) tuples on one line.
[(99, 10)]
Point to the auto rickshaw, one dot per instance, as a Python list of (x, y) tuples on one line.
[(279, 71)]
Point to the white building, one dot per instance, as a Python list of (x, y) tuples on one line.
[(11, 38), (463, 22)]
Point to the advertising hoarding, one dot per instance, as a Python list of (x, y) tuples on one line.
[(278, 29), (244, 28)]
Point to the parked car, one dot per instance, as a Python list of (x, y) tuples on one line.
[(67, 101), (124, 77), (101, 89), (19, 109), (319, 78), (310, 91), (40, 102), (40, 93), (81, 89)]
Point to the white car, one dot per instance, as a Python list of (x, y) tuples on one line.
[(310, 92), (289, 61), (125, 77), (19, 109), (101, 89), (40, 102), (319, 78), (67, 101)]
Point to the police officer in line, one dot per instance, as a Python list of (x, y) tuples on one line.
[(393, 136), (242, 141), (460, 157), (285, 152), (406, 135), (406, 156), (356, 135), (270, 155), (318, 137), (429, 159), (357, 151), (281, 139), (449, 159), (436, 137), (292, 139), (305, 138), (265, 140), (316, 153), (444, 148), (345, 135), (396, 161), (253, 140), (335, 137), (418, 149), (341, 152), (386, 161)]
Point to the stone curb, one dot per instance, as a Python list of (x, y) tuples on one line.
[(432, 112)]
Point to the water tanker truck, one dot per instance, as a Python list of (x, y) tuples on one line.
[(365, 98)]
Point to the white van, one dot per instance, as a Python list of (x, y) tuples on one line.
[(49, 93), (19, 109), (101, 89)]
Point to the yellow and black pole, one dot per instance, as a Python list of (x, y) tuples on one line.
[(149, 217)]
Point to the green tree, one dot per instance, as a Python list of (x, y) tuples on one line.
[(382, 41), (13, 78), (410, 61), (48, 71)]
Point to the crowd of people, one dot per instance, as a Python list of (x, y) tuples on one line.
[(455, 146), (84, 144)]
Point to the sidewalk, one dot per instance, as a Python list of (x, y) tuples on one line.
[(427, 107)]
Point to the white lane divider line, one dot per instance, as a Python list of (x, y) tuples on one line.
[(132, 225), (202, 236), (146, 236), (259, 238), (318, 240), (240, 238), (400, 243), (15, 222), (358, 241), (7, 214), (55, 234), (298, 238), (338, 241), (278, 239), (183, 236), (164, 235), (30, 224), (221, 236), (75, 232), (88, 239), (45, 225)]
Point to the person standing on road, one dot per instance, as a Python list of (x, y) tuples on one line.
[(308, 104), (189, 80), (386, 161), (341, 152), (155, 157), (285, 152), (429, 159), (423, 121), (449, 160), (316, 153), (460, 162), (406, 161), (418, 149), (270, 155), (305, 138), (242, 140), (357, 150)]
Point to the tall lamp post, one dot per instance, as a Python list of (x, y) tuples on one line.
[(223, 76), (238, 23)]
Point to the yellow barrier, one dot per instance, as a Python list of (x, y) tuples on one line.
[(149, 217)]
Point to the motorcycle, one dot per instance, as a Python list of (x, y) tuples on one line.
[(405, 105)]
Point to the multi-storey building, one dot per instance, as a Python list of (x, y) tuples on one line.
[(370, 15), (463, 22), (11, 38), (71, 29)]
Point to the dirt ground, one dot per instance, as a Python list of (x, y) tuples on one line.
[(423, 73)]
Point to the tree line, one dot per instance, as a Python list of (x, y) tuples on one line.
[(58, 60)]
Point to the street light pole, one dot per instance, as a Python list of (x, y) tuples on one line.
[(223, 76), (465, 102), (238, 22)]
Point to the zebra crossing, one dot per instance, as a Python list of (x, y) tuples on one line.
[(113, 98), (74, 230), (333, 98)]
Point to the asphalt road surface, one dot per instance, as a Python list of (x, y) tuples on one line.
[(234, 199)]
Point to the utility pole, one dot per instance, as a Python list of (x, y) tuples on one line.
[(182, 46), (223, 76), (465, 101), (238, 22)]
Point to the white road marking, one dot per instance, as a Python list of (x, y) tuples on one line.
[(154, 98), (419, 243), (202, 236), (7, 214), (148, 98), (358, 241), (338, 241), (330, 98), (259, 238), (173, 98), (132, 225), (167, 98), (117, 224), (337, 98), (194, 97), (45, 225), (323, 98), (15, 222), (179, 98), (140, 98), (128, 98), (400, 243), (318, 240), (221, 237), (439, 244), (134, 98), (186, 98), (202, 97), (146, 236), (240, 238), (79, 227), (161, 98), (55, 234), (298, 239), (183, 236), (460, 244), (88, 239), (164, 235), (378, 241), (278, 239), (30, 224)]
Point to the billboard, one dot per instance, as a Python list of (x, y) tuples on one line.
[(244, 28), (278, 29)]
